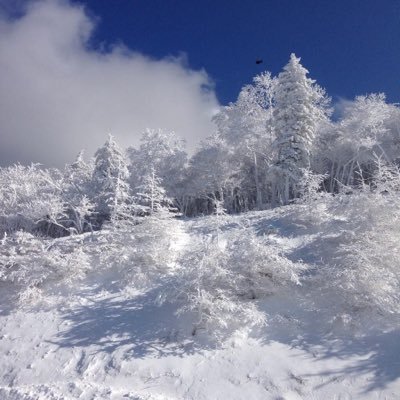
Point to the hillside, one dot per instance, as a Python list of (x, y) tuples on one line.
[(109, 333)]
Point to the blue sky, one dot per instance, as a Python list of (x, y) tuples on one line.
[(351, 47)]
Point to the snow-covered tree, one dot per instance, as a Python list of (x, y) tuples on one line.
[(368, 126), (151, 194), (248, 130), (31, 266), (300, 106), (110, 182), (30, 199), (76, 193), (212, 174), (162, 152)]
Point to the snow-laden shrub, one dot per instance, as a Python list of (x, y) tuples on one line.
[(366, 268), (221, 279), (30, 200), (313, 200), (310, 186), (141, 251), (32, 264)]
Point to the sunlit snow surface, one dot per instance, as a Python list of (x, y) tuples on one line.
[(99, 341)]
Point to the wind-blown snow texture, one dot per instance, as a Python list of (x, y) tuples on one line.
[(107, 340)]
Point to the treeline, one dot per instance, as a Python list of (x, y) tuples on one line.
[(276, 144)]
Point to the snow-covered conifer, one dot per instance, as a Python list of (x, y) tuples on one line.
[(300, 106), (76, 188), (110, 181), (151, 194)]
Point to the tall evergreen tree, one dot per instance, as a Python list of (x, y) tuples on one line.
[(300, 106)]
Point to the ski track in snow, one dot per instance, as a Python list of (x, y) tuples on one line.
[(119, 345)]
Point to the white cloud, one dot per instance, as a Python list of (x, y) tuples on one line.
[(58, 96)]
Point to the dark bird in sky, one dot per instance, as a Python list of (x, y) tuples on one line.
[(259, 61)]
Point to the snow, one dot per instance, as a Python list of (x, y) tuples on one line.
[(100, 341)]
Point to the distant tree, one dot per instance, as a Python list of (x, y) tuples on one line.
[(151, 194), (212, 174), (76, 194), (162, 153), (110, 182)]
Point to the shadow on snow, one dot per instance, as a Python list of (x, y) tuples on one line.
[(366, 347), (135, 325)]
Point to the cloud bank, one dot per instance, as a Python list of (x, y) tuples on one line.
[(57, 95)]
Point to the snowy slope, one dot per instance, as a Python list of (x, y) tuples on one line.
[(100, 341)]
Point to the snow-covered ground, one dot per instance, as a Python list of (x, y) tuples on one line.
[(100, 341)]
